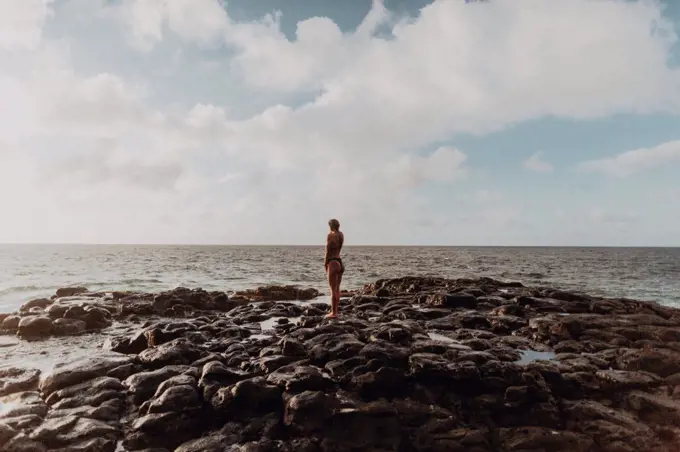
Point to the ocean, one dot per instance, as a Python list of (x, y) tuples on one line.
[(32, 271)]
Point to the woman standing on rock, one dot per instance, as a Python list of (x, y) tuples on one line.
[(333, 264)]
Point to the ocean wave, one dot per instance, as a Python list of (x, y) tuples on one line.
[(644, 274), (124, 282), (20, 289), (534, 275), (141, 281)]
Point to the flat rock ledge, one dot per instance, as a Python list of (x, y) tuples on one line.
[(75, 310), (413, 364)]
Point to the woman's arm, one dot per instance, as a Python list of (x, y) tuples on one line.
[(328, 247)]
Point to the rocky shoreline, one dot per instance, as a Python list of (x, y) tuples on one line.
[(413, 364)]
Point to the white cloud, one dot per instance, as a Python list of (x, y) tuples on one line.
[(200, 21), (21, 23), (446, 76), (536, 163), (105, 153), (635, 161), (445, 164)]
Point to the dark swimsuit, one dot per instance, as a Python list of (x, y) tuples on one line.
[(342, 266)]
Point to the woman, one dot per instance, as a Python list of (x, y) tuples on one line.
[(333, 264)]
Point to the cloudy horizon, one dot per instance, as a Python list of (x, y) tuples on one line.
[(413, 122)]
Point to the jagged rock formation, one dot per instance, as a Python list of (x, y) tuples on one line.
[(413, 364)]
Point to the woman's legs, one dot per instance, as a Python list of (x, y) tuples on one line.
[(334, 277), (337, 290)]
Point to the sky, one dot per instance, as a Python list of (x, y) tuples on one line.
[(443, 122)]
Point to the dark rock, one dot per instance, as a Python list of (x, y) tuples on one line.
[(177, 352), (292, 347), (385, 382), (41, 303), (70, 291), (96, 318), (144, 384), (59, 432), (309, 411), (400, 333), (74, 372), (329, 347), (124, 371), (216, 375), (179, 380), (92, 398), (95, 311), (84, 390), (163, 430), (339, 368), (276, 293), (658, 362), (69, 327), (458, 320), (176, 399), (656, 408), (618, 429), (107, 444), (538, 438), (373, 426), (107, 411), (6, 433), (24, 423), (247, 398), (10, 323), (22, 443), (294, 378), (393, 373), (213, 443), (453, 301), (269, 364), (35, 327), (446, 435), (74, 312), (386, 353)]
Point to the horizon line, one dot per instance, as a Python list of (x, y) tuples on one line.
[(322, 245)]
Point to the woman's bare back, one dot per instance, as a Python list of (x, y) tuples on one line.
[(335, 241)]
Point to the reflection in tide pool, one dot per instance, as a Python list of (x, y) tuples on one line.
[(528, 356), (269, 324), (441, 338)]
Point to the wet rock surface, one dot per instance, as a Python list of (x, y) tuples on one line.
[(75, 311), (277, 293), (412, 364)]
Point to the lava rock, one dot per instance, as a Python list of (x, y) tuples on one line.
[(70, 291), (35, 327)]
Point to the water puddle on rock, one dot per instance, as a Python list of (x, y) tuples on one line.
[(326, 299), (8, 341), (5, 408), (269, 324), (528, 356), (44, 354), (442, 338), (257, 337)]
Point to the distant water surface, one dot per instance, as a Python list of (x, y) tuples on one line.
[(30, 271)]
